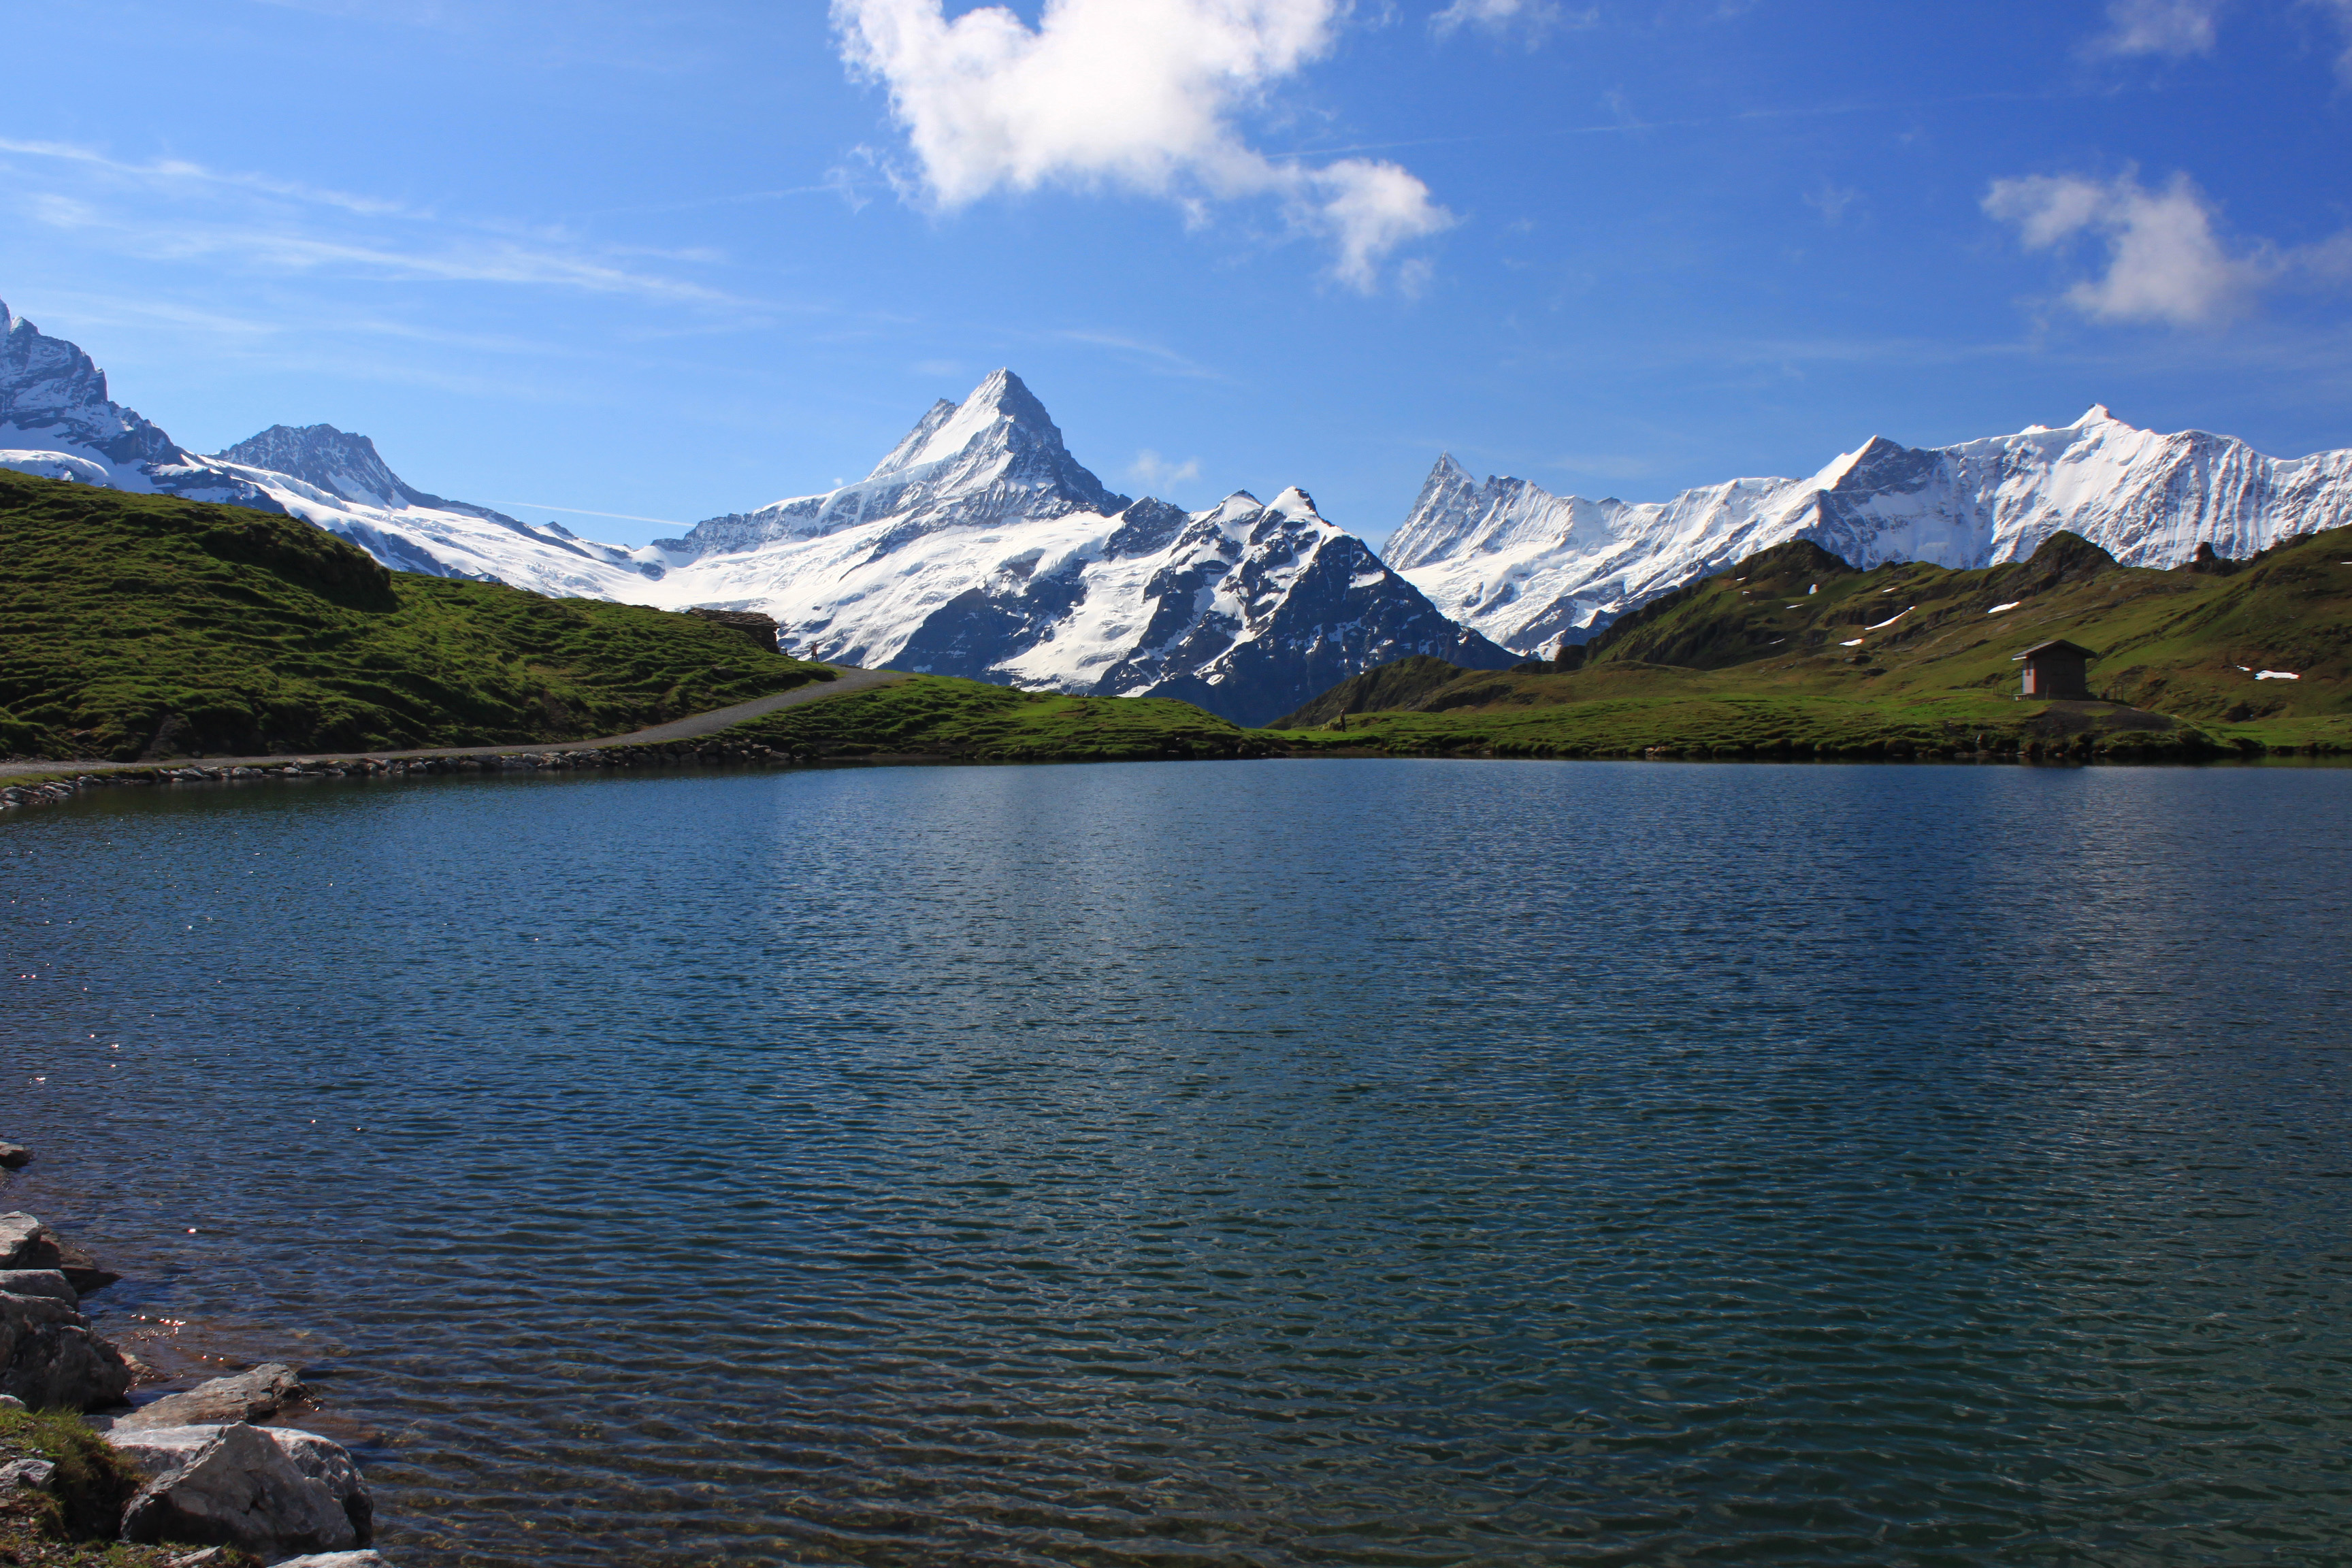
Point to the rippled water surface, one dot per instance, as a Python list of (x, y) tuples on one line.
[(1336, 1163)]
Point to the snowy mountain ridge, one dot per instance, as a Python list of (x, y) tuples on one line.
[(58, 420), (1528, 568), (979, 546)]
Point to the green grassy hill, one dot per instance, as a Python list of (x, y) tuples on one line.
[(1795, 652), (947, 718), (145, 627)]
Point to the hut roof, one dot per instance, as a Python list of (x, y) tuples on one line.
[(2055, 645)]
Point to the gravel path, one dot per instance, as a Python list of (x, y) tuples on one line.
[(847, 681)]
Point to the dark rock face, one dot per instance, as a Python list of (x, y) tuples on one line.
[(761, 629), (26, 1243), (2206, 564), (48, 1355), (1340, 611)]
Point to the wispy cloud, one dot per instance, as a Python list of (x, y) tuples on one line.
[(2342, 11), (2173, 27), (1117, 94), (476, 261), (1152, 470), (1150, 355), (175, 171), (1531, 20), (1831, 200), (291, 227)]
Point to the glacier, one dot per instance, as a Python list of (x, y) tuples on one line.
[(1531, 569)]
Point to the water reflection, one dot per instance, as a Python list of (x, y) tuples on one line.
[(1412, 1163)]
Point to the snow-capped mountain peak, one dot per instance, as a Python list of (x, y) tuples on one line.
[(979, 547), (1238, 507), (1528, 568), (995, 454), (1294, 502), (56, 420), (55, 414), (1001, 409), (340, 464)]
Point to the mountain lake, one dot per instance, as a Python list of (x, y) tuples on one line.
[(1399, 1162)]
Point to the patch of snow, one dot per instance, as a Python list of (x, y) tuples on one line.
[(1891, 619), (1855, 643), (2277, 675), (55, 466), (1999, 608)]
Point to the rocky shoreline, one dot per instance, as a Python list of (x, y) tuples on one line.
[(194, 1474), (587, 758)]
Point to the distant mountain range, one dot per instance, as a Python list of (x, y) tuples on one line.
[(1529, 569), (979, 546)]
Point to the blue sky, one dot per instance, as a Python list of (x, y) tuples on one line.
[(666, 261)]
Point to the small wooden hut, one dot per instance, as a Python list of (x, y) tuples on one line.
[(2057, 669)]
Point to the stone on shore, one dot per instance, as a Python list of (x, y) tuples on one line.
[(14, 1156), (49, 1357), (32, 1474), (249, 1397), (338, 1560), (26, 1243), (39, 1282), (270, 1492)]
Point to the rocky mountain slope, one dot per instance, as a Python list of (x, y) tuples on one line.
[(1528, 568)]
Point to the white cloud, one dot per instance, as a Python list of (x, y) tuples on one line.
[(2176, 28), (2164, 261), (1137, 95), (1533, 17), (1152, 470)]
